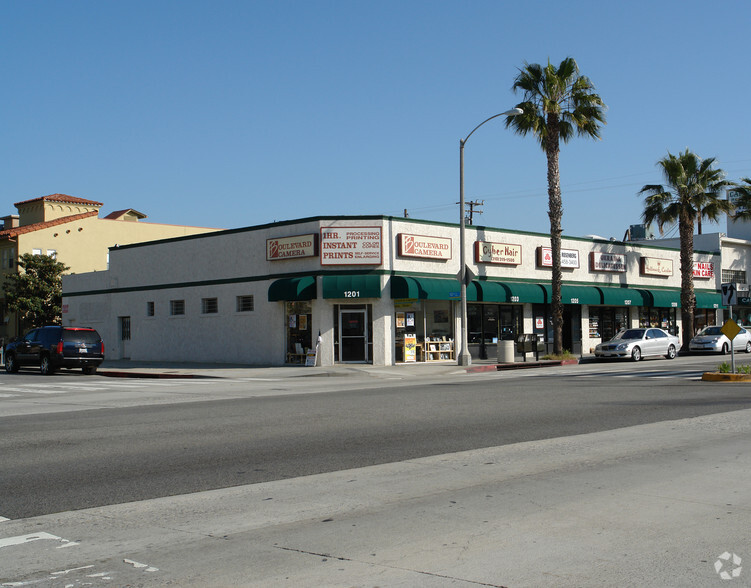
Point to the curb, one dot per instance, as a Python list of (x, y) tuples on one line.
[(521, 366), (114, 374), (718, 377)]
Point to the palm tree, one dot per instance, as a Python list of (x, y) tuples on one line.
[(740, 196), (558, 103), (693, 190)]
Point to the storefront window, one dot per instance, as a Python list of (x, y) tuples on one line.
[(606, 321), (662, 318), (299, 324), (704, 317)]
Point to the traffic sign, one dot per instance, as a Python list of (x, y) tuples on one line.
[(730, 329), (729, 295)]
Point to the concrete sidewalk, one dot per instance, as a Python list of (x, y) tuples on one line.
[(144, 369)]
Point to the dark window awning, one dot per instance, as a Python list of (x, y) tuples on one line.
[(417, 288), (708, 300), (351, 286), (511, 292), (571, 294), (291, 289), (612, 296), (664, 298)]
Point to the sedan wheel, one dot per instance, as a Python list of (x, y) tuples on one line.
[(725, 349), (748, 347), (636, 354), (671, 352)]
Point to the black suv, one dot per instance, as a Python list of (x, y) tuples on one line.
[(51, 348)]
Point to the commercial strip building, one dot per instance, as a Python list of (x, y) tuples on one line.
[(69, 228), (371, 289)]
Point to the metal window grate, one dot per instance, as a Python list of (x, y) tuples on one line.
[(245, 303), (176, 307), (209, 305)]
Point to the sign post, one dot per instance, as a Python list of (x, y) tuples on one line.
[(730, 328)]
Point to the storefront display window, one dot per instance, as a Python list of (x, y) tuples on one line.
[(662, 318), (299, 338), (424, 331), (606, 321)]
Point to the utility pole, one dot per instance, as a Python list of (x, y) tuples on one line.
[(472, 206)]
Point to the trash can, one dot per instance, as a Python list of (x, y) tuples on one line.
[(505, 352)]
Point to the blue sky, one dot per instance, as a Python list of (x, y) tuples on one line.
[(230, 114)]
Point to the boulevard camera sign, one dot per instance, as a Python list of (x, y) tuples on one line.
[(291, 247), (437, 248)]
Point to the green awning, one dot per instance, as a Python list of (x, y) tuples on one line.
[(664, 298), (430, 288), (292, 289), (612, 296), (571, 294), (511, 292), (708, 300), (352, 286)]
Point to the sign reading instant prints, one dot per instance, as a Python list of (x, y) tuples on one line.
[(351, 246)]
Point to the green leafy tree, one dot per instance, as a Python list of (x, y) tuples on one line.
[(740, 196), (35, 293), (558, 104), (693, 190)]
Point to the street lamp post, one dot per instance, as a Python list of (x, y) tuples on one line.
[(464, 358)]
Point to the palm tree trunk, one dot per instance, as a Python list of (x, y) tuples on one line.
[(555, 213), (688, 299)]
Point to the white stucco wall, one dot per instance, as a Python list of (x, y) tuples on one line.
[(233, 263)]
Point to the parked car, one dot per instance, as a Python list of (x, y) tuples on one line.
[(638, 343), (712, 339), (51, 348)]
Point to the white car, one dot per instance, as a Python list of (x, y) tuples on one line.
[(712, 339), (638, 343)]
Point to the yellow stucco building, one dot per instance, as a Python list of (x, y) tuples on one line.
[(70, 229)]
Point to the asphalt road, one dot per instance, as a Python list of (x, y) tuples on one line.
[(59, 461)]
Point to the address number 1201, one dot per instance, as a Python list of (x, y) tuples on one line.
[(351, 293)]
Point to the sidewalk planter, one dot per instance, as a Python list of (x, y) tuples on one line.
[(720, 377)]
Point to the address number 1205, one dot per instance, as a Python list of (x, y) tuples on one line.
[(351, 293)]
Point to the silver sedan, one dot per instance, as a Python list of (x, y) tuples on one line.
[(638, 343), (714, 340)]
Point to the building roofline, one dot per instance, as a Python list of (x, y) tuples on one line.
[(15, 231), (59, 198)]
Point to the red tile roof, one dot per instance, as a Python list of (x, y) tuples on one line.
[(61, 198), (120, 213), (15, 231)]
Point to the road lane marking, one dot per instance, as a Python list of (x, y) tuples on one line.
[(23, 539)]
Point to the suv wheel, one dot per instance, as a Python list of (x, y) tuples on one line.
[(10, 364), (45, 367)]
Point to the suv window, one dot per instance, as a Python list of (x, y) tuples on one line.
[(82, 335), (31, 335)]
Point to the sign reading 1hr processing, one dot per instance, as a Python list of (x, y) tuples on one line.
[(351, 246)]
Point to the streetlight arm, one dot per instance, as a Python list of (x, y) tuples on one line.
[(512, 112)]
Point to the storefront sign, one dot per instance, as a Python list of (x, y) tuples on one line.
[(291, 247), (569, 258), (703, 269), (607, 262), (654, 266), (539, 322), (410, 348), (351, 246), (424, 247), (499, 253)]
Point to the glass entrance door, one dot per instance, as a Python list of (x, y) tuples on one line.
[(353, 335)]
